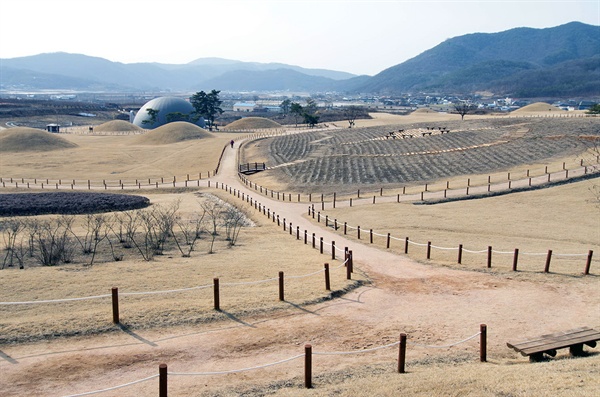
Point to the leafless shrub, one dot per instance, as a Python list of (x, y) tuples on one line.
[(94, 226), (191, 231), (213, 209), (11, 230), (233, 220), (52, 242)]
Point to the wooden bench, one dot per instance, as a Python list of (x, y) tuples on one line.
[(574, 339)]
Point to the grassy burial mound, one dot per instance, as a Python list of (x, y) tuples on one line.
[(539, 107), (424, 111), (175, 132), (362, 157), (117, 126), (252, 123), (24, 139)]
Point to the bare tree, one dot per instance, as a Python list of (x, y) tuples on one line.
[(109, 228), (463, 108), (52, 242), (11, 229), (351, 113), (213, 210), (94, 225), (233, 220), (191, 230)]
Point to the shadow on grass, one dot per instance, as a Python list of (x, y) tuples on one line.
[(129, 332), (301, 308), (8, 358), (236, 319)]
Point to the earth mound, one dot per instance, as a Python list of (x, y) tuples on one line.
[(177, 131), (424, 110), (25, 139), (538, 107), (252, 123), (118, 126)]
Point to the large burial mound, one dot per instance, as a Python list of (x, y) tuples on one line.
[(24, 139), (252, 123), (424, 111), (118, 126), (538, 107), (177, 131)]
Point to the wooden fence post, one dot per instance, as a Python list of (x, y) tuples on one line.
[(460, 250), (406, 245), (429, 250), (327, 279), (358, 232), (483, 343), (216, 294), (402, 354), (489, 257), (115, 305), (281, 286), (313, 240), (388, 241), (349, 265), (308, 366), (321, 245), (371, 236), (333, 250), (515, 259), (548, 258), (588, 263), (162, 380)]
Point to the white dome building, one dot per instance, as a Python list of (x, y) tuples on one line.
[(168, 109)]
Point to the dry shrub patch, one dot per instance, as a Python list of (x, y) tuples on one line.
[(21, 204)]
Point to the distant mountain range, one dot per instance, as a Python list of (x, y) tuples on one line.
[(521, 62)]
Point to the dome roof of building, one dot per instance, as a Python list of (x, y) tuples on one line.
[(169, 109)]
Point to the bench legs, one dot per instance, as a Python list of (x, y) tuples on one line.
[(536, 357), (577, 350)]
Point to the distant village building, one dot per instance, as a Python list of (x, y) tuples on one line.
[(244, 107), (273, 109), (53, 128)]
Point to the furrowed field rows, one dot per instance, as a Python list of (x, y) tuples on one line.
[(360, 157)]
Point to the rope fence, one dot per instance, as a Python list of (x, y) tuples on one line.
[(337, 224), (308, 354), (508, 181)]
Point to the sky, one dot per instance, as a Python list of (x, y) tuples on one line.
[(359, 37)]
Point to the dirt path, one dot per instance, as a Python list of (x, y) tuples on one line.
[(433, 305)]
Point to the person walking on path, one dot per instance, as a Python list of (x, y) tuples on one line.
[(232, 143)]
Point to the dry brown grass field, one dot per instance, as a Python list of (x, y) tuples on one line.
[(435, 301)]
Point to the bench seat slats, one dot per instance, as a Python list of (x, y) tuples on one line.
[(556, 341)]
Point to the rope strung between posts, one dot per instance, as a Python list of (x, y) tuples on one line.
[(233, 371), (113, 388), (357, 351), (57, 300), (476, 251), (445, 346), (163, 291)]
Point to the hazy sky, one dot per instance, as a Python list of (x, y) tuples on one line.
[(361, 37)]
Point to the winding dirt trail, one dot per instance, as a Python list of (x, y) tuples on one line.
[(433, 305)]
